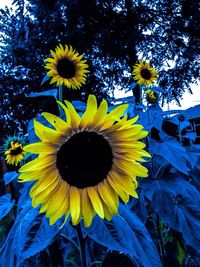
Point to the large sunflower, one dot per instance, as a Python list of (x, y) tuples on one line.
[(86, 163), (144, 74), (66, 67), (14, 150)]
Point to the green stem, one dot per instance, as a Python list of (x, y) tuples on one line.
[(160, 238), (71, 241), (82, 244), (60, 97)]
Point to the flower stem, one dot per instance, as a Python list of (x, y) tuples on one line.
[(82, 245), (60, 97)]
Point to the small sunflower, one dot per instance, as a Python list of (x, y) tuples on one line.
[(144, 74), (86, 163), (151, 96), (66, 67), (14, 150)]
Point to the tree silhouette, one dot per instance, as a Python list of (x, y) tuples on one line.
[(111, 34)]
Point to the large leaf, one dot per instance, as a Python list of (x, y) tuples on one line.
[(29, 234), (146, 248), (79, 105), (131, 87), (113, 235), (173, 152), (52, 92), (126, 233), (31, 132), (6, 204), (10, 176), (177, 202)]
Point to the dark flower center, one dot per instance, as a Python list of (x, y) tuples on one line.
[(85, 159), (66, 68), (146, 74), (16, 151)]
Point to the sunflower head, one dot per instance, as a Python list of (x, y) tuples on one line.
[(13, 149), (85, 164), (151, 96), (144, 74), (66, 67)]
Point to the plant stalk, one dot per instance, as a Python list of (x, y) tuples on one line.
[(82, 244), (60, 97)]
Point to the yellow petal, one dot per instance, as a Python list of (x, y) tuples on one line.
[(87, 209), (100, 115), (109, 196), (107, 214), (56, 202), (58, 123), (33, 175), (114, 115), (74, 204), (45, 185), (44, 196), (95, 200), (75, 118), (125, 183), (47, 134), (42, 147), (89, 112), (123, 195), (38, 163)]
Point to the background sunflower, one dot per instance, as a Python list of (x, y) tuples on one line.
[(143, 74), (86, 163), (151, 96), (66, 67), (13, 149)]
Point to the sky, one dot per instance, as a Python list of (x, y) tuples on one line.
[(187, 101)]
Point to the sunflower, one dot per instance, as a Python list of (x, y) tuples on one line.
[(86, 163), (66, 67), (14, 150), (144, 74), (151, 96)]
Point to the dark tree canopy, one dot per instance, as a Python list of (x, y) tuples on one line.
[(111, 34)]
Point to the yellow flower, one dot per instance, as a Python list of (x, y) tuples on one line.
[(66, 67), (144, 74), (151, 96), (15, 153), (86, 163)]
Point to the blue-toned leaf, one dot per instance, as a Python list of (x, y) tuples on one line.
[(6, 204), (139, 206), (177, 202), (173, 152), (152, 117), (31, 132), (51, 92), (169, 112), (126, 233), (29, 234), (128, 99), (115, 235), (146, 249), (157, 89), (79, 105), (24, 195), (131, 87), (45, 79), (10, 176)]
